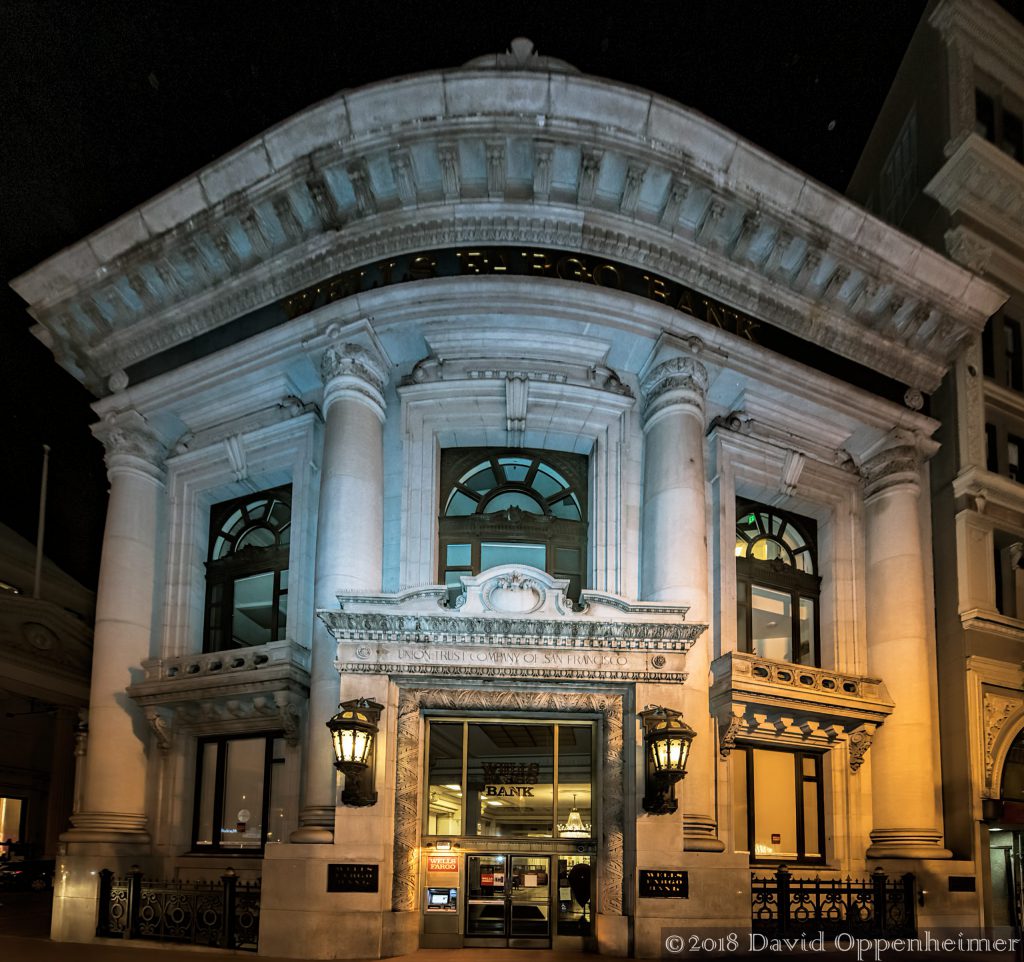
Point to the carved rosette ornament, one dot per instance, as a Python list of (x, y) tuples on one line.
[(896, 466), (131, 445), (680, 382), (408, 787), (351, 372)]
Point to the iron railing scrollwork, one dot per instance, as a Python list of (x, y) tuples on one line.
[(873, 907), (223, 914)]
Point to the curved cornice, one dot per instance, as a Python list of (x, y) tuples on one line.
[(502, 156)]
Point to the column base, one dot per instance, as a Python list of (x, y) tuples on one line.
[(317, 826), (700, 834), (113, 827), (907, 843)]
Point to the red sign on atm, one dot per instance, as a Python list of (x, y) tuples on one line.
[(442, 863)]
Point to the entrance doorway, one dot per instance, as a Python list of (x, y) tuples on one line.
[(1006, 861), (508, 901)]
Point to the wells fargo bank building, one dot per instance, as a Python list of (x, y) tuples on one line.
[(564, 439)]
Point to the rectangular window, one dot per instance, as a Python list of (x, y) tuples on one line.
[(1014, 445), (991, 447), (779, 812), (505, 779), (510, 776), (444, 779), (240, 800), (1013, 375), (999, 122)]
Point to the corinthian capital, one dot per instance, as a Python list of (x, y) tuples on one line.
[(351, 371), (677, 382), (130, 444), (896, 464)]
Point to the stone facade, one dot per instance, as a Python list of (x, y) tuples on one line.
[(509, 255)]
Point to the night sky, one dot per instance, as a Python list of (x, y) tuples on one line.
[(105, 104)]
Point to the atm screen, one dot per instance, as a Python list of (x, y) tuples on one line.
[(438, 898)]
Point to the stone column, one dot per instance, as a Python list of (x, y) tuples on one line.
[(905, 814), (674, 564), (114, 782), (349, 549)]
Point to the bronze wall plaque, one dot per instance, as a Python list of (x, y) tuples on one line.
[(350, 877), (664, 883)]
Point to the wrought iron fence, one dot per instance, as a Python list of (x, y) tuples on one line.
[(873, 907), (225, 914)]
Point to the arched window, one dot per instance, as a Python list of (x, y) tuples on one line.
[(247, 570), (777, 585), (512, 506)]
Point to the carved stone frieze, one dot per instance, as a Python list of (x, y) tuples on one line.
[(996, 710), (512, 632), (413, 702)]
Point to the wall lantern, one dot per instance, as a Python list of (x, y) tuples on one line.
[(667, 741), (354, 734)]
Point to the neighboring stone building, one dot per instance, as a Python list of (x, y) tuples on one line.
[(944, 162), (515, 401), (45, 651)]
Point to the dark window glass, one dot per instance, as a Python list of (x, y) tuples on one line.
[(779, 808), (1014, 373), (991, 448), (512, 507), (1014, 446), (984, 115), (1013, 136), (776, 584), (247, 571), (988, 365), (239, 798)]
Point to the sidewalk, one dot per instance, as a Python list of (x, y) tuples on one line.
[(25, 929), (28, 949)]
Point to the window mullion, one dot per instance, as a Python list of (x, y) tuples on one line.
[(268, 771), (798, 772), (218, 791)]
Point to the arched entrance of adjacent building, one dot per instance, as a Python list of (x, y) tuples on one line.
[(1006, 843)]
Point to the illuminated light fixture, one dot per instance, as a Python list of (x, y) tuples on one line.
[(443, 845), (667, 741), (574, 826), (354, 734)]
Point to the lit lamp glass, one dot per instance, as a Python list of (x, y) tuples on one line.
[(353, 731), (667, 741), (669, 751)]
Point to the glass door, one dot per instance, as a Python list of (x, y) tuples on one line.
[(530, 900), (487, 889), (508, 900)]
